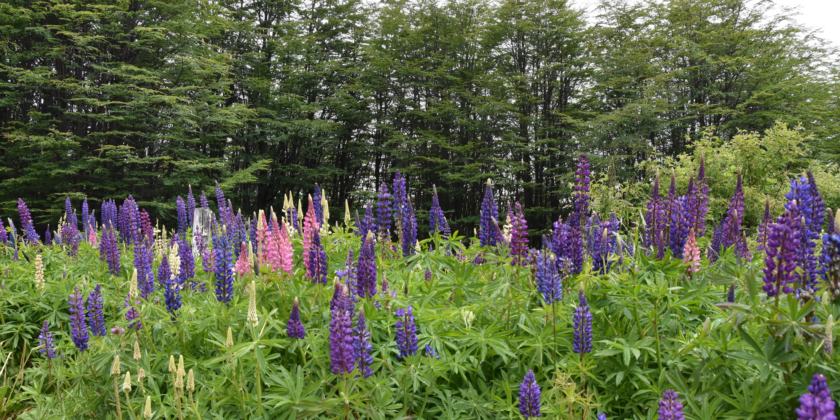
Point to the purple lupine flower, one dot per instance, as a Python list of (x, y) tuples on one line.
[(489, 211), (317, 269), (593, 234), (384, 212), (812, 217), (548, 280), (207, 255), (655, 221), (816, 404), (164, 273), (110, 251), (362, 346), (341, 336), (734, 215), (830, 260), (430, 352), (85, 215), (366, 269), (252, 235), (519, 238), (601, 416), (409, 229), (236, 233), (47, 236), (606, 242), (319, 209), (436, 217), (78, 326), (764, 226), (95, 318), (529, 396), (730, 297), (815, 213), (669, 407), (69, 213), (45, 339), (221, 204), (556, 244), (368, 223), (183, 220), (573, 243), (406, 332), (582, 341), (71, 238), (224, 268), (671, 204), (132, 316), (148, 234), (832, 222), (295, 220), (428, 274), (716, 246), (702, 199), (806, 260), (342, 296), (679, 227), (190, 207), (143, 258), (187, 268), (4, 237), (581, 195), (690, 209), (349, 274), (203, 201), (172, 294), (358, 224), (295, 327), (781, 253), (31, 236)]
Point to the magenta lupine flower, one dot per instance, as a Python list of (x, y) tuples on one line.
[(117, 330), (406, 332), (95, 318), (764, 227), (669, 407), (366, 269), (781, 253), (519, 238), (529, 396), (45, 339), (30, 235), (317, 269), (295, 327), (816, 404), (734, 215), (655, 220), (362, 346), (489, 211), (582, 180), (342, 359), (436, 218), (190, 207), (384, 207), (78, 325), (702, 199), (148, 234), (132, 316)]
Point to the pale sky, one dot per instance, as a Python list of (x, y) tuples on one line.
[(813, 14)]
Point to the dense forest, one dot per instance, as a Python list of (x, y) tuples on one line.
[(102, 98)]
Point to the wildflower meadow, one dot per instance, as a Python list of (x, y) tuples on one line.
[(293, 313)]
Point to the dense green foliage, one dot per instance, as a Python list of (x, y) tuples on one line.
[(99, 98), (655, 327)]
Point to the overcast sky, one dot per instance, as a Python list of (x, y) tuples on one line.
[(814, 14)]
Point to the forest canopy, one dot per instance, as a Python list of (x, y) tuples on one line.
[(102, 98)]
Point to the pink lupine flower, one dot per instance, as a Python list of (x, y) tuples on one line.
[(310, 225), (691, 253), (242, 267)]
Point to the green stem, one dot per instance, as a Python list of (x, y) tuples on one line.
[(656, 335)]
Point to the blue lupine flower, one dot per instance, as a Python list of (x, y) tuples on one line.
[(529, 396), (489, 211), (78, 325), (406, 332), (366, 269), (341, 336), (548, 280), (45, 339), (224, 268), (582, 342), (317, 260), (95, 318), (295, 327), (362, 346), (430, 352), (669, 407)]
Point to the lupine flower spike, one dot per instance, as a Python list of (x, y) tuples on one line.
[(78, 325), (529, 396), (295, 327), (45, 339), (669, 407), (816, 404)]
